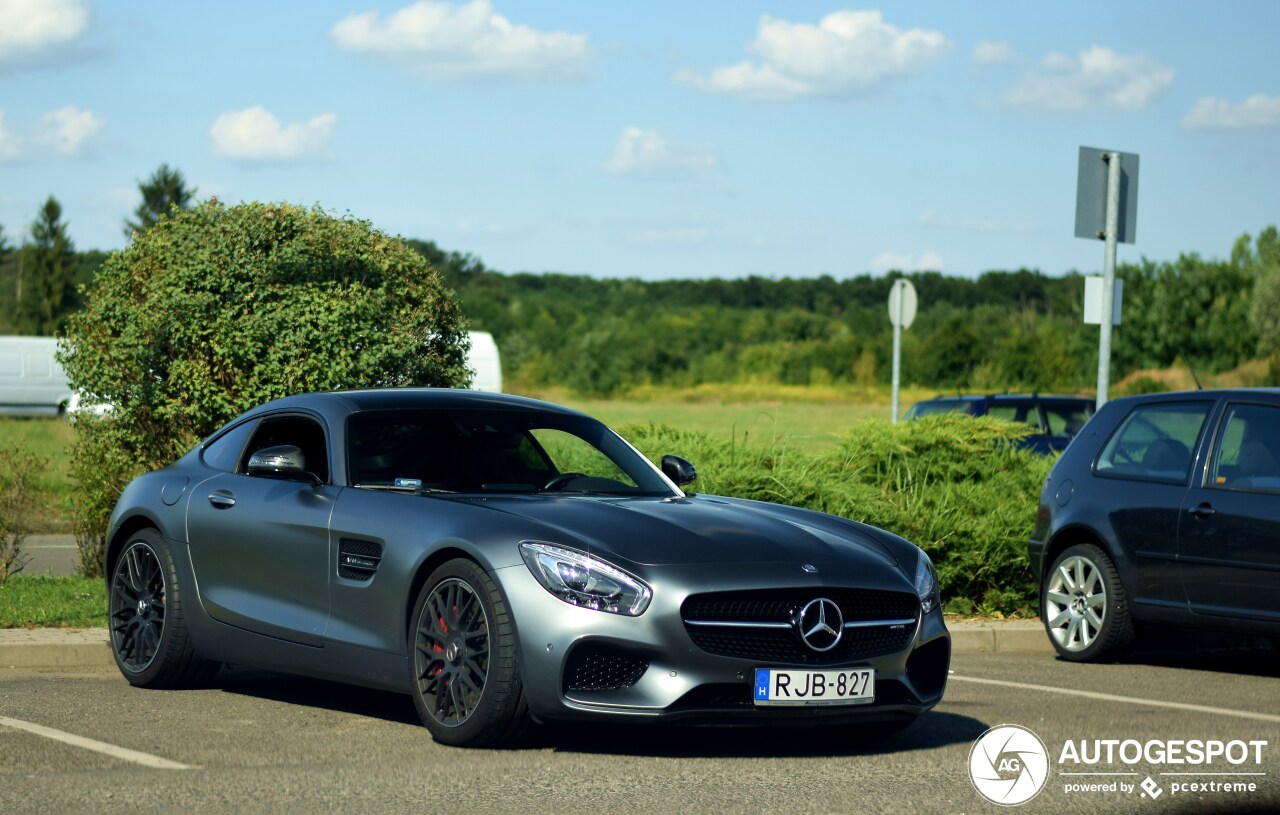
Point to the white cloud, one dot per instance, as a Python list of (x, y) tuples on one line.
[(31, 28), (889, 260), (460, 42), (651, 154), (1258, 111), (1099, 78), (68, 131), (932, 217), (990, 52), (256, 135), (848, 52)]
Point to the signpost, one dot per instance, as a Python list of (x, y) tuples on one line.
[(902, 313), (1107, 209)]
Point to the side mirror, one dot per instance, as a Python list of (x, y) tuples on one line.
[(285, 461), (679, 470)]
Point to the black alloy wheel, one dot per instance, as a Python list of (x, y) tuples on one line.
[(466, 676), (149, 637), (137, 607)]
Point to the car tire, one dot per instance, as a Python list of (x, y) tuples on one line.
[(149, 637), (464, 659), (1084, 607)]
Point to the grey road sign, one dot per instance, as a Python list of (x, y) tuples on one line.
[(1091, 195), (902, 303)]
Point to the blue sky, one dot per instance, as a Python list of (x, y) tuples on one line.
[(716, 138)]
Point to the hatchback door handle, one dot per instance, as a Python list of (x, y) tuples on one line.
[(1203, 511), (222, 499)]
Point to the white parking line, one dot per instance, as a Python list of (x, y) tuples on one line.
[(1129, 700), (122, 753)]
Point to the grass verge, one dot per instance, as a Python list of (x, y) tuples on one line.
[(49, 601), (49, 440)]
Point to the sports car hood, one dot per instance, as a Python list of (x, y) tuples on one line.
[(697, 530)]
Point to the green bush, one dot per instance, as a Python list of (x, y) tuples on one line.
[(18, 473), (217, 309), (956, 486)]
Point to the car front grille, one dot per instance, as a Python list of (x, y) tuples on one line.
[(760, 624)]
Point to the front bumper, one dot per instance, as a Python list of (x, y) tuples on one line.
[(585, 665)]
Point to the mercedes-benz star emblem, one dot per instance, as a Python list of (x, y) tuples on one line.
[(820, 624)]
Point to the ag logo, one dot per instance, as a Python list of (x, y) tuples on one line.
[(1008, 765)]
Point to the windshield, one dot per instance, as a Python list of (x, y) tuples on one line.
[(493, 451)]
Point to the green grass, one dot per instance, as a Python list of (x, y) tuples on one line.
[(809, 419), (47, 601), (50, 440)]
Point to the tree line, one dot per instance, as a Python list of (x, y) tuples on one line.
[(1003, 330)]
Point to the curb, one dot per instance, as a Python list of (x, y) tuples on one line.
[(55, 648), (1012, 637), (90, 648)]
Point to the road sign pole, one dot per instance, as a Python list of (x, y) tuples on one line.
[(897, 355), (902, 312), (1108, 276)]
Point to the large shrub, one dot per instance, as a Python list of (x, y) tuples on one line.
[(217, 309), (956, 486)]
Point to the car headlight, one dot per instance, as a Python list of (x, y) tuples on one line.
[(926, 583), (582, 580)]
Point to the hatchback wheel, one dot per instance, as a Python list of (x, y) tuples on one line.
[(1083, 605), (466, 673)]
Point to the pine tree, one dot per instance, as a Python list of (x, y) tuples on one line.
[(164, 190), (46, 278)]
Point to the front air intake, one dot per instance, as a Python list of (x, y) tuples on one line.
[(600, 667)]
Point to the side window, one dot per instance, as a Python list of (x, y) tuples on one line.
[(1155, 442), (1022, 413), (300, 431), (1064, 419), (224, 452), (1247, 452)]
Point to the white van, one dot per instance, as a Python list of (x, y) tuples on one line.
[(32, 383), (484, 360)]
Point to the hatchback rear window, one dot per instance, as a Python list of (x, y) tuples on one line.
[(1155, 442)]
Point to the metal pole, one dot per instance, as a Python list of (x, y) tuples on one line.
[(1108, 276), (897, 345)]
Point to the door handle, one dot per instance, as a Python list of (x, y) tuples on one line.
[(222, 499), (1202, 511)]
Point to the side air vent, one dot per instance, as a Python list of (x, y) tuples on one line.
[(357, 559)]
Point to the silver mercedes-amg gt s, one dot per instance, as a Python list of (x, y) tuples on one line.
[(505, 561)]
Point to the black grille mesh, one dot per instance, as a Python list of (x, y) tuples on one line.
[(595, 667), (783, 645), (367, 551)]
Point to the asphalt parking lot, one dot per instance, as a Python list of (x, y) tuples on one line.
[(265, 742)]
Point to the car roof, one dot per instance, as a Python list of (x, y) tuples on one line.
[(354, 401), (1009, 397), (1209, 393)]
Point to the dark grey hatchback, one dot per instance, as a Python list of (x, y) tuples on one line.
[(1165, 509)]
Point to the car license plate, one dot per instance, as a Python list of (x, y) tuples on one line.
[(786, 686)]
